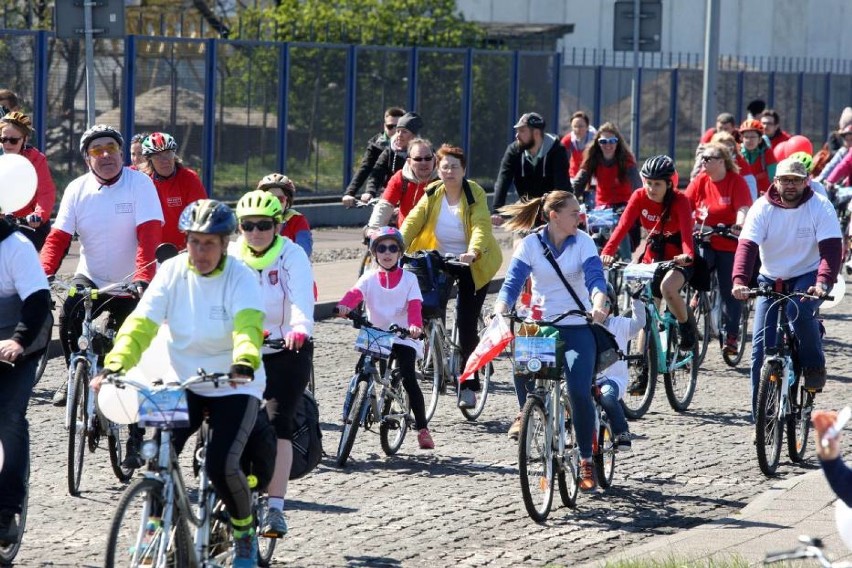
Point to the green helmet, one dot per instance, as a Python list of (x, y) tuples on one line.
[(259, 202), (805, 159)]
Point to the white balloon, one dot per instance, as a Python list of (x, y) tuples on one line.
[(843, 518), (837, 292), (120, 405), (18, 182)]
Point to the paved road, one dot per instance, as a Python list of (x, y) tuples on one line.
[(460, 504)]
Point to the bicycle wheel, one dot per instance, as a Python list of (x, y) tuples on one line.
[(265, 545), (703, 325), (604, 456), (568, 476), (117, 436), (430, 368), (768, 426), (681, 374), (396, 411), (312, 383), (8, 552), (535, 460), (351, 423), (799, 424), (366, 261), (733, 360), (485, 374), (136, 536), (42, 364), (77, 427), (637, 403)]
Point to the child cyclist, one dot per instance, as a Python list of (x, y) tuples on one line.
[(392, 296)]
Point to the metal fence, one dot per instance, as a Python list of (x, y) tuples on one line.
[(240, 109)]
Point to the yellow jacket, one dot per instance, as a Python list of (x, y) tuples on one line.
[(418, 231)]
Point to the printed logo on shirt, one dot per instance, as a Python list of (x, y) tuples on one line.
[(174, 201), (724, 200), (218, 313), (123, 208), (648, 216), (273, 277), (804, 232)]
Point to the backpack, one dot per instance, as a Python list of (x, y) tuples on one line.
[(307, 439), (258, 457), (428, 267)]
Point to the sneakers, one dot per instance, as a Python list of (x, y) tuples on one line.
[(623, 441), (8, 528), (732, 344), (245, 550), (687, 335), (275, 525), (467, 398), (61, 395), (515, 428), (587, 475), (424, 438)]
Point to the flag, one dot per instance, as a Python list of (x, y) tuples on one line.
[(492, 341)]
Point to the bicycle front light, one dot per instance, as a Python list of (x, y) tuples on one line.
[(149, 450), (83, 343)]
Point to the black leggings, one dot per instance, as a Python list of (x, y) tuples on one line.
[(406, 357), (468, 307), (287, 375)]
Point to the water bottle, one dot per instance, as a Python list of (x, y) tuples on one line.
[(791, 376)]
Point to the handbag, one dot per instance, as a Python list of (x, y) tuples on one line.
[(608, 352)]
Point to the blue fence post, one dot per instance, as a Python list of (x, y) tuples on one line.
[(129, 88), (770, 100), (413, 64), (598, 94), (515, 92), (557, 77), (467, 101), (208, 136), (351, 74), (40, 89), (283, 90), (673, 116), (637, 122)]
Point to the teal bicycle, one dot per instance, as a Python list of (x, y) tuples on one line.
[(654, 350)]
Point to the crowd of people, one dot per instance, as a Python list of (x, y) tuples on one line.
[(222, 296)]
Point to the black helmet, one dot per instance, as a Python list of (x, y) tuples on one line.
[(658, 167), (208, 216), (100, 131)]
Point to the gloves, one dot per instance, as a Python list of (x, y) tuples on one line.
[(138, 287), (241, 370)]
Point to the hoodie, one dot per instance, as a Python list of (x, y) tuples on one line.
[(532, 176)]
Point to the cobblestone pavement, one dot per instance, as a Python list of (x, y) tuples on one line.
[(460, 504)]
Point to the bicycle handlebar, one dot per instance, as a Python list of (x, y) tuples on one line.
[(120, 380), (75, 289), (513, 315), (768, 292), (360, 320), (720, 230)]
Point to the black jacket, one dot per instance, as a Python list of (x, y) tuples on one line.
[(550, 172), (374, 149), (389, 162)]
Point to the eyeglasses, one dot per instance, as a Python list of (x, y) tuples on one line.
[(106, 149), (613, 140), (422, 159), (9, 140), (166, 155), (381, 249), (390, 126), (789, 180), (249, 226), (705, 159), (449, 167)]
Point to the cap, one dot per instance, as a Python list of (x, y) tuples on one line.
[(531, 119), (791, 167), (411, 121)]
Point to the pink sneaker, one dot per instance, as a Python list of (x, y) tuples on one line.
[(424, 438)]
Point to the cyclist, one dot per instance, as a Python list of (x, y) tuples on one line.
[(577, 257), (15, 131), (664, 212), (846, 135), (375, 146), (610, 161), (136, 156), (758, 153), (392, 296), (797, 235), (730, 142), (406, 186), (214, 308), (116, 214), (393, 157), (771, 121), (453, 218), (24, 312), (177, 185), (582, 134), (286, 279), (294, 225), (719, 195), (808, 161)]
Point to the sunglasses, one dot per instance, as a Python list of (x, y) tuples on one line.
[(111, 148), (249, 226), (789, 180), (9, 140), (706, 159), (381, 249), (390, 126), (613, 140), (423, 159)]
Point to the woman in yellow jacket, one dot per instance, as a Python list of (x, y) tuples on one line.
[(453, 217)]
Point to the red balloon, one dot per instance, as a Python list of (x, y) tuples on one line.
[(799, 143), (781, 151)]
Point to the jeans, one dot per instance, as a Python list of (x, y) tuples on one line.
[(16, 385), (801, 313), (612, 406), (723, 263)]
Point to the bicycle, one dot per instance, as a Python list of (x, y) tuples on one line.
[(547, 442), (83, 420), (363, 406), (662, 352), (157, 508), (809, 548), (782, 398)]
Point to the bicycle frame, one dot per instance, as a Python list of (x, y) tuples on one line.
[(374, 408), (667, 321), (781, 353)]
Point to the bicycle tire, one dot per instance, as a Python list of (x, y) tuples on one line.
[(430, 369), (312, 382), (116, 447), (604, 456), (351, 423), (636, 405), (392, 430), (703, 326), (10, 551), (799, 425), (366, 261), (734, 360), (535, 460), (265, 544), (42, 364), (768, 429), (485, 375), (142, 501), (682, 381), (568, 476), (77, 427)]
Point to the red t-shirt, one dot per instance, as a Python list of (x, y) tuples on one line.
[(575, 156), (612, 190), (649, 213), (175, 194), (722, 199), (403, 193)]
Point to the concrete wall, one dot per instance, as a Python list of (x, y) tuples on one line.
[(775, 28)]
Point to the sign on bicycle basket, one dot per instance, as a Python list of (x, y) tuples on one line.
[(166, 408), (535, 352), (374, 342), (638, 272)]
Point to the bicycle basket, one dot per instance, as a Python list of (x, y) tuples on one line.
[(428, 267), (541, 350), (374, 342), (163, 409)]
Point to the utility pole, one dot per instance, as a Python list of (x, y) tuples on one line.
[(711, 64)]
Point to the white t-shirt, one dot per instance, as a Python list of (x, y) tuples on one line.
[(624, 329), (449, 230), (789, 238), (388, 306), (200, 311), (105, 218), (21, 273)]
